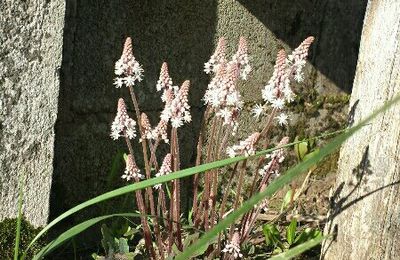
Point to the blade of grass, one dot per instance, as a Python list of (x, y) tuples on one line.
[(70, 233), (19, 219), (297, 250), (281, 181)]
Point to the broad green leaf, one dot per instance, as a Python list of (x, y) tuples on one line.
[(76, 230), (291, 231), (281, 181), (297, 250)]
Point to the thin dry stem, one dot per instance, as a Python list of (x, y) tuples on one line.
[(142, 209), (149, 192)]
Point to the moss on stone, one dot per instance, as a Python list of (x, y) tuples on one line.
[(7, 238)]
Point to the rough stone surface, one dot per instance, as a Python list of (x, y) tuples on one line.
[(364, 217), (272, 25), (30, 58)]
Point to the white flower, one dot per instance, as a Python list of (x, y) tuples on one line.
[(246, 147), (268, 93), (129, 81), (289, 95), (118, 82), (231, 152), (164, 169), (207, 67), (278, 103), (282, 119), (257, 111), (119, 67), (299, 76), (131, 170), (122, 124), (233, 247)]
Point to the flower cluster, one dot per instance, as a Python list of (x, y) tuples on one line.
[(178, 110), (217, 59), (131, 170), (246, 147), (123, 125), (127, 68), (276, 158), (222, 94), (230, 100), (165, 84), (298, 58), (164, 169), (160, 131), (242, 59), (233, 247), (277, 92), (145, 123)]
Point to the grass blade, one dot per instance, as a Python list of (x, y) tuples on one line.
[(297, 250), (70, 233), (19, 219), (280, 182)]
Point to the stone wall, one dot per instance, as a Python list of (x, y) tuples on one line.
[(30, 59)]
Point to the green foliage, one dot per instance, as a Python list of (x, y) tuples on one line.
[(116, 245), (297, 250), (70, 233), (7, 238), (280, 243), (291, 232)]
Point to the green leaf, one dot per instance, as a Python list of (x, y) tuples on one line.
[(271, 234), (280, 182), (76, 230), (291, 231), (300, 149), (311, 154), (287, 199), (297, 250)]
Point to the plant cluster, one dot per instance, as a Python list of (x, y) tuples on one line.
[(221, 120)]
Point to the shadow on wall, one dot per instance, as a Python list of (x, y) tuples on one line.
[(337, 25), (179, 32)]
